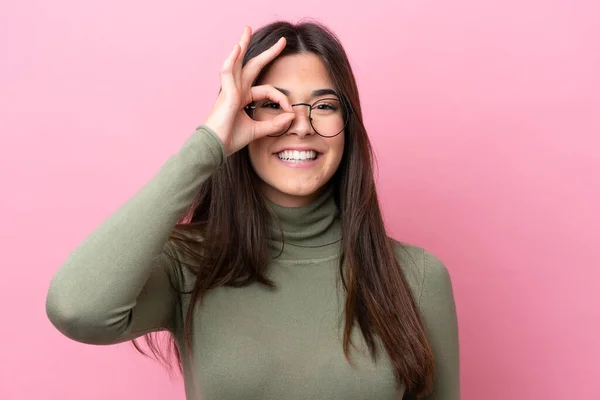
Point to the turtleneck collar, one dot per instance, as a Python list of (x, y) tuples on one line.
[(308, 232)]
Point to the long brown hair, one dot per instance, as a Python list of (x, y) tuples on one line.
[(231, 217)]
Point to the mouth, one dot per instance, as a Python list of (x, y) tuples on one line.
[(298, 158)]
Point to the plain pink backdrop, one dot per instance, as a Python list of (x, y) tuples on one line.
[(485, 116)]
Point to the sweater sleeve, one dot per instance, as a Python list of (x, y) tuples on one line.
[(439, 316), (116, 285)]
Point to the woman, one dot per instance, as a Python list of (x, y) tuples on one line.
[(261, 248)]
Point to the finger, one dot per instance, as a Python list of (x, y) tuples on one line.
[(244, 41), (256, 64), (275, 126), (269, 92), (227, 81)]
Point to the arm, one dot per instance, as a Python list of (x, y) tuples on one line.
[(439, 315), (116, 285)]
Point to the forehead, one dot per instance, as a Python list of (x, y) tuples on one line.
[(298, 72)]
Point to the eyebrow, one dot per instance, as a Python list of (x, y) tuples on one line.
[(315, 93)]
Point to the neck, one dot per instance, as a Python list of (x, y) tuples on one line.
[(309, 231)]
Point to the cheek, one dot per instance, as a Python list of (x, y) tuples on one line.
[(337, 151), (258, 154)]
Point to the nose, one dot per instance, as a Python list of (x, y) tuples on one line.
[(301, 125)]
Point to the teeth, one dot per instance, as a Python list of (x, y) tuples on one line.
[(295, 155)]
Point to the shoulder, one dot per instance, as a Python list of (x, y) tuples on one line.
[(425, 273), (430, 281)]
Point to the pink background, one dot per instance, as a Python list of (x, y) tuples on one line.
[(485, 116)]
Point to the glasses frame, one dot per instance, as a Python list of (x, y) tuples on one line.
[(345, 111)]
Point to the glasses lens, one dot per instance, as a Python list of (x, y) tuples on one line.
[(266, 110), (328, 117)]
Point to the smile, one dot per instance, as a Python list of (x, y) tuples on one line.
[(305, 158), (297, 156)]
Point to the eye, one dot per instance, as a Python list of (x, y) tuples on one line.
[(326, 106), (271, 104)]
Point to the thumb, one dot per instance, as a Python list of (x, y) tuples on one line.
[(277, 125)]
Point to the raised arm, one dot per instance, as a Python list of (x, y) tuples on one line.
[(116, 285)]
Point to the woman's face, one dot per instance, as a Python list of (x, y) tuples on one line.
[(290, 177)]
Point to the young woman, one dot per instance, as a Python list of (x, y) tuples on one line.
[(260, 247)]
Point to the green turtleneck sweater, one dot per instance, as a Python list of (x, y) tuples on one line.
[(250, 342)]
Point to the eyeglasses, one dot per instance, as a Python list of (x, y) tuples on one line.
[(328, 117)]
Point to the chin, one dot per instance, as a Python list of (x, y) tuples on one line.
[(291, 194), (298, 190)]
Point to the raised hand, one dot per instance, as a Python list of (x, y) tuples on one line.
[(227, 118)]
